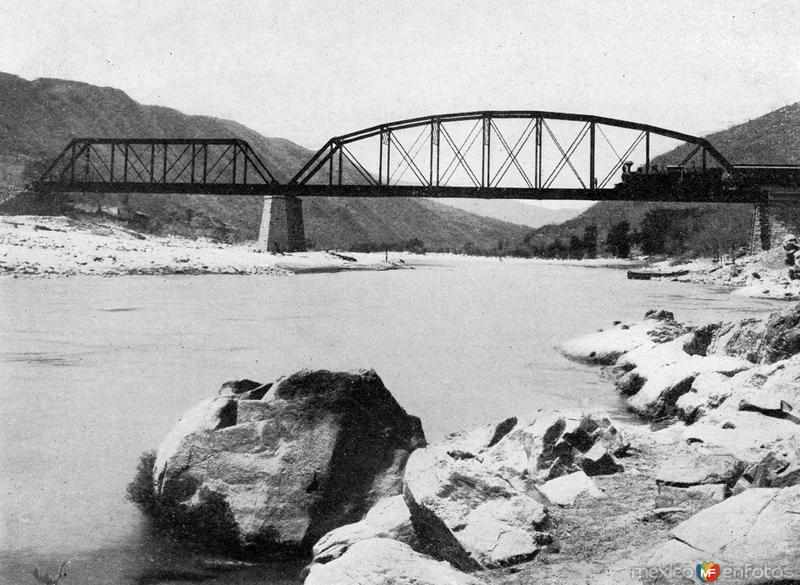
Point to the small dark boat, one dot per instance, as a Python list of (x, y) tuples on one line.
[(648, 274)]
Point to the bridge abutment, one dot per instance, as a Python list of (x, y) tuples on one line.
[(772, 220), (282, 228)]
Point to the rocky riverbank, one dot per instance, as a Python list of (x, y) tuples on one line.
[(763, 275), (60, 246), (328, 465)]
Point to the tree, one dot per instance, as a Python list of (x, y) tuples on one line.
[(33, 169), (575, 247), (590, 241), (618, 240)]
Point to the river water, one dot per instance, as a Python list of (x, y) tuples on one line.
[(94, 371)]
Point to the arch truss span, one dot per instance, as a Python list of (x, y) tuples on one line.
[(158, 165), (486, 153)]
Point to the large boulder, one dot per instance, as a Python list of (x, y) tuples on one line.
[(465, 514), (759, 527), (314, 453), (381, 561)]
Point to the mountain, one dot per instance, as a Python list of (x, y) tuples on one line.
[(773, 138), (38, 118), (699, 228), (529, 214)]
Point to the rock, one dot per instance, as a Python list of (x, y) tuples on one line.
[(759, 341), (473, 443), (380, 561), (700, 339), (665, 513), (660, 315), (468, 516), (605, 347), (711, 389), (759, 527), (781, 409), (695, 466), (741, 485), (650, 357), (244, 389), (660, 393), (529, 451), (556, 444), (564, 490), (694, 497), (316, 452), (775, 470), (742, 434), (389, 518), (208, 415), (738, 339), (598, 461), (773, 390), (708, 390)]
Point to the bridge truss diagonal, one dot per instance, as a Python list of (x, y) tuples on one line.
[(155, 165), (494, 154)]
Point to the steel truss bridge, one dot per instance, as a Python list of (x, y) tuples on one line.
[(486, 154)]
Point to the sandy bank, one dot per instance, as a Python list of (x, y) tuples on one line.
[(59, 246), (762, 275)]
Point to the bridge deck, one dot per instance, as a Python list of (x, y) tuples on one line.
[(620, 193)]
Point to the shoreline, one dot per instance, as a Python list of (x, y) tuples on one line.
[(57, 246), (709, 471), (43, 246), (557, 497)]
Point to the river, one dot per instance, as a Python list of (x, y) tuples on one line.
[(94, 371)]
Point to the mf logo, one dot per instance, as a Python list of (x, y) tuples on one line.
[(707, 572)]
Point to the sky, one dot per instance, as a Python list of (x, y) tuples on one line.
[(309, 70)]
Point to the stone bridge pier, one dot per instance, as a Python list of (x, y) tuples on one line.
[(282, 228), (772, 220)]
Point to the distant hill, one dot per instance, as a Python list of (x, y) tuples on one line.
[(38, 118), (529, 214), (770, 139)]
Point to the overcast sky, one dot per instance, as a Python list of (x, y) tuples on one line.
[(309, 70)]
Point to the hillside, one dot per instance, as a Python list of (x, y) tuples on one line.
[(704, 228), (770, 139), (38, 118), (528, 214)]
